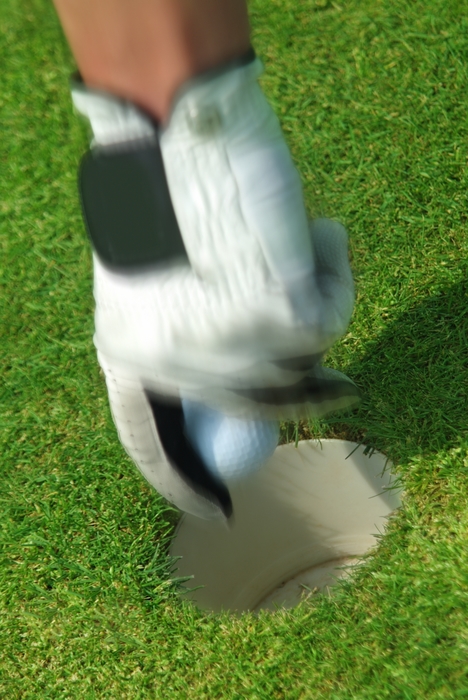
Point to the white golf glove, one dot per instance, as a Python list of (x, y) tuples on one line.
[(240, 325)]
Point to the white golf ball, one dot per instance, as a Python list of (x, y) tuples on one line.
[(231, 448)]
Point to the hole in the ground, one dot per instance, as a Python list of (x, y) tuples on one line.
[(299, 524)]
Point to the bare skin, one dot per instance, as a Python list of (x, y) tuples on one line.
[(144, 50)]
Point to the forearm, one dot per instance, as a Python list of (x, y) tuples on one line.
[(144, 50)]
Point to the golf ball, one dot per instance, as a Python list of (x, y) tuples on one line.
[(231, 448)]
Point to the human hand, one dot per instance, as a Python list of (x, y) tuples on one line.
[(242, 323)]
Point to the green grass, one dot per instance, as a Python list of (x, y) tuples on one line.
[(372, 97)]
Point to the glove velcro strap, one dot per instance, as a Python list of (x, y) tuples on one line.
[(127, 207)]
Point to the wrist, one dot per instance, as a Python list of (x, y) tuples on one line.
[(145, 50), (114, 119)]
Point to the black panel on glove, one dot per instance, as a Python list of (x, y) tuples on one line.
[(169, 418), (127, 207)]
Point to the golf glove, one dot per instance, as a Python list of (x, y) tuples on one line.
[(240, 297)]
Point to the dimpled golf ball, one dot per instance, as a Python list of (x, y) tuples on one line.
[(231, 448)]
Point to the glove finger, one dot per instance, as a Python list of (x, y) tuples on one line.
[(152, 433), (320, 392)]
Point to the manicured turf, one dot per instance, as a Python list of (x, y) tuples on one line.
[(372, 96)]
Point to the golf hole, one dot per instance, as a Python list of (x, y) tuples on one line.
[(299, 525)]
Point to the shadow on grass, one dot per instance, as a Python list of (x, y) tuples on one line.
[(414, 379)]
